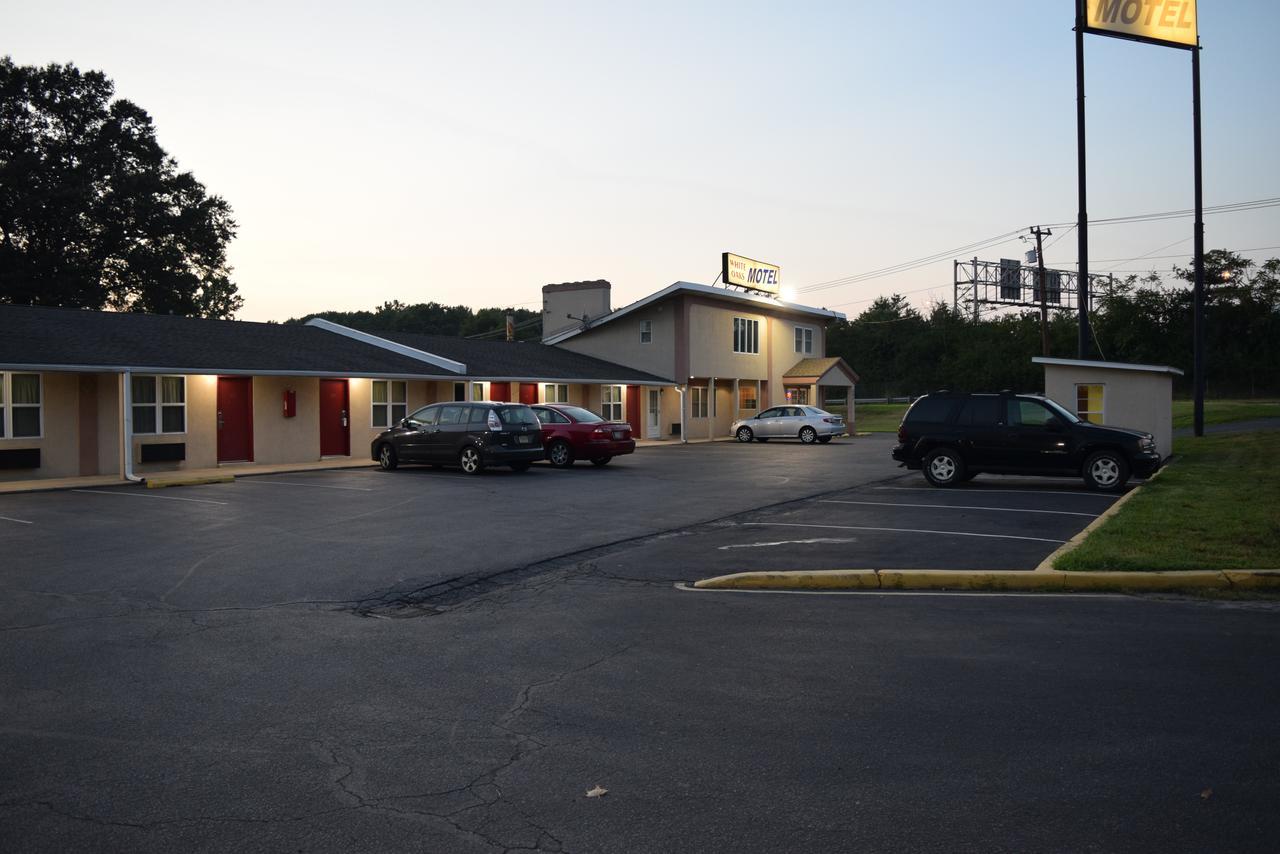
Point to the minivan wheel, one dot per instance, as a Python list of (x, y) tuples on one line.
[(744, 434), (387, 457), (943, 467), (470, 461), (560, 454), (808, 435), (1106, 471)]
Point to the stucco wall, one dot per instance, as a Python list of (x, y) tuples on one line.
[(201, 436), (59, 442), (1139, 400), (277, 439), (619, 341)]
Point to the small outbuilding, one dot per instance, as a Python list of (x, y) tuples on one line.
[(1117, 394)]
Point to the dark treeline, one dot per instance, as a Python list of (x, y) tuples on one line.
[(899, 351), (436, 319)]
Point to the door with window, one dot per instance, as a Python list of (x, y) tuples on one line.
[(335, 432), (653, 423), (1041, 441), (235, 419)]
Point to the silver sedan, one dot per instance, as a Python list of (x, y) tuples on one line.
[(809, 424)]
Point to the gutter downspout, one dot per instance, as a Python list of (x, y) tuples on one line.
[(127, 429), (683, 419)]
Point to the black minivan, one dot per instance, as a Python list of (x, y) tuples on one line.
[(951, 437), (469, 435)]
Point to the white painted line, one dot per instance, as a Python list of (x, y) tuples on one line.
[(313, 485), (966, 594), (905, 531), (19, 521), (143, 495), (958, 507), (810, 541), (982, 490)]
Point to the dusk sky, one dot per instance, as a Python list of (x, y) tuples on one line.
[(472, 152)]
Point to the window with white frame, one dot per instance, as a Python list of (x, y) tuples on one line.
[(611, 402), (746, 335), (20, 406), (555, 393), (390, 402), (646, 331), (477, 391), (804, 340), (698, 401), (159, 404)]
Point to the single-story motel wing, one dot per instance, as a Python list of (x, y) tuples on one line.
[(126, 395)]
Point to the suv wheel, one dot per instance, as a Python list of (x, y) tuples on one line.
[(387, 457), (943, 467), (1106, 471), (471, 461), (744, 434)]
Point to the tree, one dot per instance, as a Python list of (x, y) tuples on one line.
[(93, 212)]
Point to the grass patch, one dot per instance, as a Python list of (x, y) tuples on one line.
[(1214, 507), (879, 417), (1225, 411)]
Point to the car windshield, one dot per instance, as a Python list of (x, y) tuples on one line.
[(1070, 417), (517, 415), (577, 413)]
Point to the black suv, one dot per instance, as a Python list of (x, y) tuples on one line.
[(951, 437), (470, 435)]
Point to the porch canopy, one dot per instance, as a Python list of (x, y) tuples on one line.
[(831, 370)]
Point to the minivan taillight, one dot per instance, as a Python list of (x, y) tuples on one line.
[(492, 422)]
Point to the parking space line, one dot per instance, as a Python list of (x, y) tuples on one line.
[(981, 490), (904, 531), (312, 485), (144, 495), (967, 594), (19, 521), (959, 507)]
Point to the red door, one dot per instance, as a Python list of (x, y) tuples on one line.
[(500, 392), (235, 419), (335, 435), (529, 393)]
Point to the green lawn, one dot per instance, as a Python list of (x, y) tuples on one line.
[(878, 417), (1223, 411), (1214, 507)]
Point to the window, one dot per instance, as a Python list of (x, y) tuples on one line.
[(20, 416), (982, 411), (1089, 403), (748, 394), (611, 402), (459, 391), (550, 416), (804, 340), (389, 402), (426, 416), (698, 401), (479, 415), (477, 391), (746, 335), (798, 394), (453, 415), (646, 331), (553, 393), (159, 404), (931, 410), (1029, 413)]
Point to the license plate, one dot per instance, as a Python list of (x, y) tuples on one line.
[(617, 434), (524, 440)]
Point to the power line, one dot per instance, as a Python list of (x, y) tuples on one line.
[(990, 242)]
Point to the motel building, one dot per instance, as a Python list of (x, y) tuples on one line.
[(732, 353), (123, 396)]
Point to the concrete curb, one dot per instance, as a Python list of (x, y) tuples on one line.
[(161, 483), (1074, 543), (949, 579)]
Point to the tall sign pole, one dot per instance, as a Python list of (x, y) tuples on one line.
[(1169, 23), (1198, 366), (1082, 217)]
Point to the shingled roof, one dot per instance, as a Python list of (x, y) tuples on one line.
[(37, 338)]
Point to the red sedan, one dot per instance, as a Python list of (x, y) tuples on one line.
[(570, 433)]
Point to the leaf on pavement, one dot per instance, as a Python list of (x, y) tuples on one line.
[(1206, 794), (597, 792)]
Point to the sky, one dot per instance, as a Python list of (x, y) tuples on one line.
[(469, 153)]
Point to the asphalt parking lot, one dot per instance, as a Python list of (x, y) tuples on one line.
[(358, 661)]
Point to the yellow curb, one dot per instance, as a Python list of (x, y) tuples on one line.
[(826, 579), (1072, 544), (1253, 579), (189, 481), (996, 579), (947, 579)]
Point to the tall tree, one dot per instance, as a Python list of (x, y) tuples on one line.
[(93, 212)]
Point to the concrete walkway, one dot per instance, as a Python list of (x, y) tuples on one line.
[(181, 475), (1234, 427)]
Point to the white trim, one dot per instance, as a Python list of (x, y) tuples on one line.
[(1114, 366), (646, 327), (401, 349), (691, 287), (750, 335), (1101, 415), (813, 335), (7, 405), (696, 392), (343, 375), (373, 405), (158, 404), (621, 402)]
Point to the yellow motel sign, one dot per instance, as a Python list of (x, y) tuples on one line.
[(1167, 22)]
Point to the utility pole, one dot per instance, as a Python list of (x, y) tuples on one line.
[(1082, 218), (1042, 285)]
